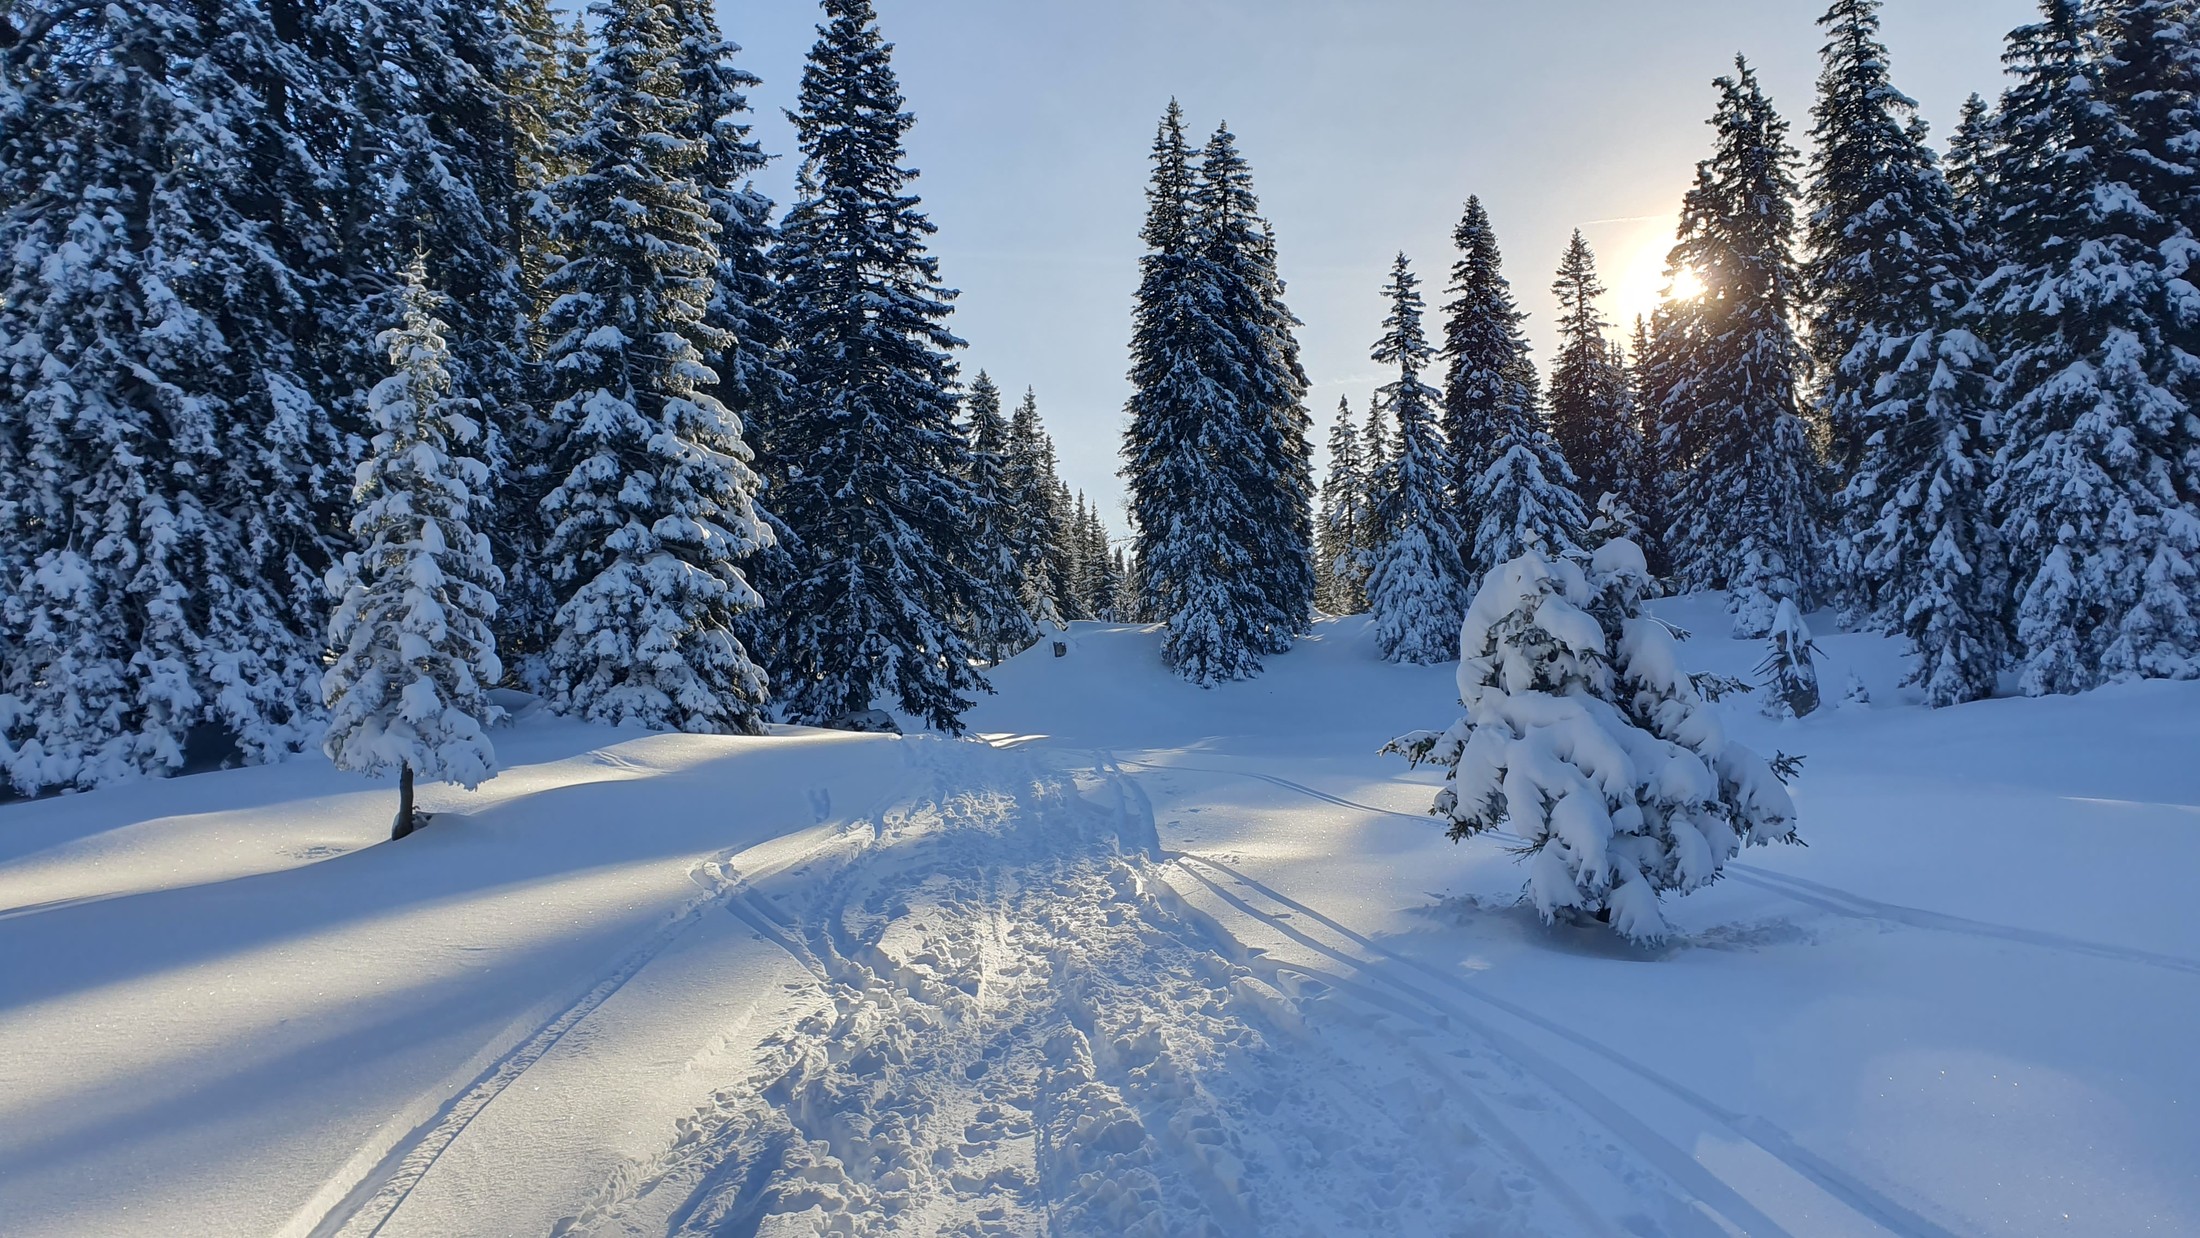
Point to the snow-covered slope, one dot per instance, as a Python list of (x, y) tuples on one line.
[(1146, 959)]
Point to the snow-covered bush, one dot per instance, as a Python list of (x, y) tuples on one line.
[(1790, 668), (1584, 734), (415, 658)]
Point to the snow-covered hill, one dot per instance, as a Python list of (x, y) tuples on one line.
[(1146, 959)]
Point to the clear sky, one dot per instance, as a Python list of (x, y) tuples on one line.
[(1367, 122)]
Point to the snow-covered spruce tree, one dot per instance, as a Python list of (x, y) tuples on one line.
[(2088, 312), (1001, 628), (1192, 518), (1863, 182), (1584, 736), (414, 656), (1414, 588), (752, 379), (2150, 75), (653, 511), (1905, 383), (1592, 417), (874, 461), (161, 458), (543, 80), (1339, 540), (1378, 448), (1748, 495), (1260, 358), (1510, 485), (1790, 668)]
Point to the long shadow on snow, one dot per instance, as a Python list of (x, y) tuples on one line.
[(78, 947)]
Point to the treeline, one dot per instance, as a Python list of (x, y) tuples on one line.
[(1956, 396), (363, 356)]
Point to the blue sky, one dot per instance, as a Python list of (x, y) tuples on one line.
[(1367, 122)]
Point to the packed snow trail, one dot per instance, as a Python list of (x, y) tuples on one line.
[(1022, 1030)]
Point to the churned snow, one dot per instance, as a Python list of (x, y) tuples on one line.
[(1144, 958)]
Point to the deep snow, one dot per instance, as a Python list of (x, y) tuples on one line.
[(1145, 958)]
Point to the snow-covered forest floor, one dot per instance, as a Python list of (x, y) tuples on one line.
[(1148, 959)]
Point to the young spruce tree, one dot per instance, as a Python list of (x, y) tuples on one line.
[(1583, 737), (414, 655)]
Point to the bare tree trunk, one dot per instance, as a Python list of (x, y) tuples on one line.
[(404, 824)]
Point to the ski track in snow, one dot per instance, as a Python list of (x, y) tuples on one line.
[(1809, 893), (369, 1205), (1021, 1029)]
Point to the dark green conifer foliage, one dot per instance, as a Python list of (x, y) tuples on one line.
[(1592, 415), (873, 462), (1747, 500), (1905, 379), (1510, 485)]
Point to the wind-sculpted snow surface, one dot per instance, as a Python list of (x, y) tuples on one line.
[(1023, 1031)]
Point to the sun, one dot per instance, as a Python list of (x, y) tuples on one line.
[(1686, 285)]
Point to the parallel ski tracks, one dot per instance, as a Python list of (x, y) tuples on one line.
[(1829, 899)]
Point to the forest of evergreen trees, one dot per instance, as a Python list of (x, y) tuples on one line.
[(362, 357), (1955, 396)]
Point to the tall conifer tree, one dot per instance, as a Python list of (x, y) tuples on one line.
[(1001, 628), (1905, 379), (1592, 416), (1341, 539), (653, 509), (1510, 484), (167, 477), (1415, 588), (875, 464), (1260, 356), (1747, 501), (2099, 395), (1194, 442), (1972, 156)]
